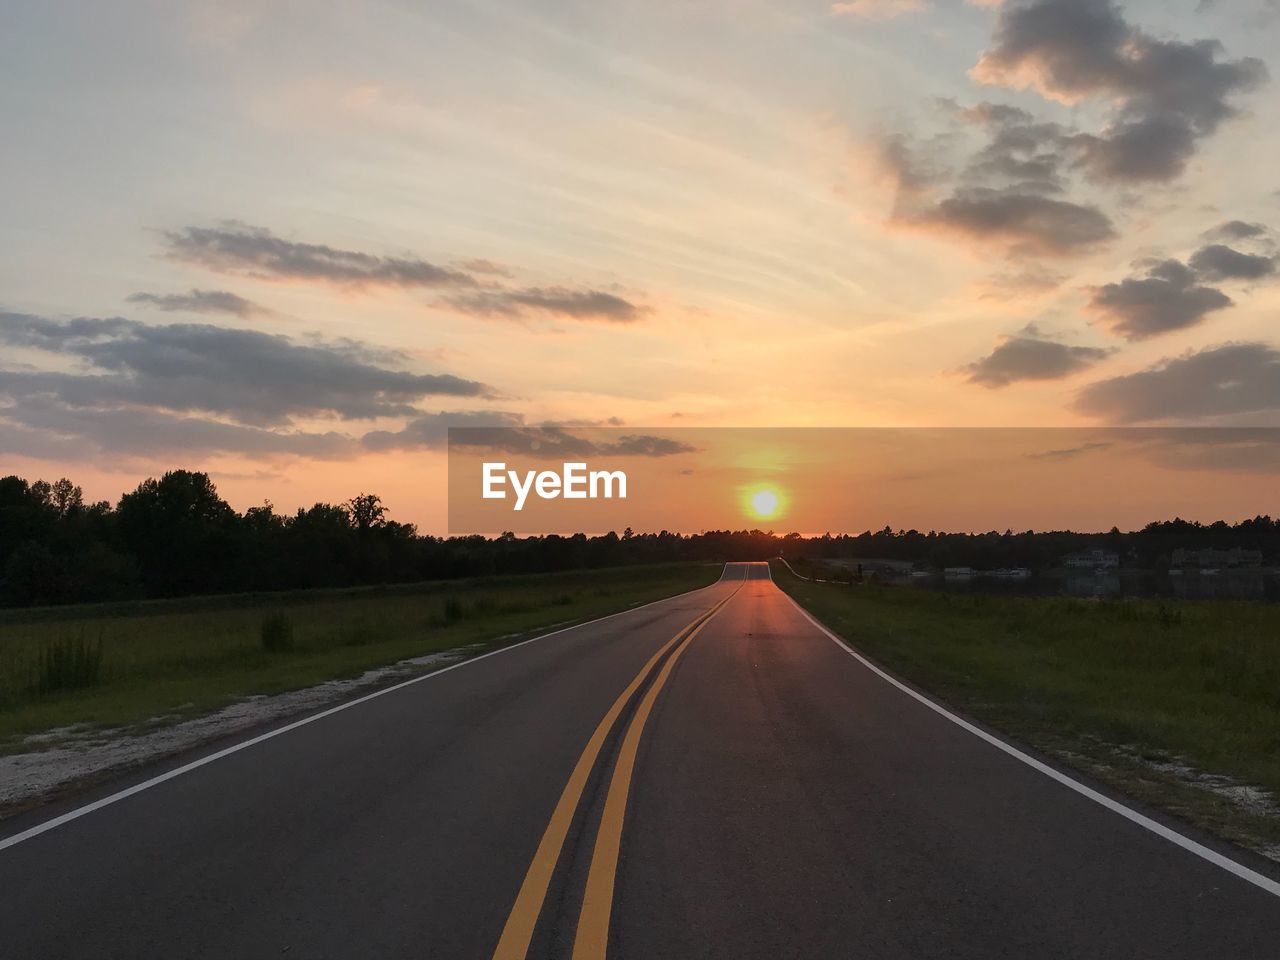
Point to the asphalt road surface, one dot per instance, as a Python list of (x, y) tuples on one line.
[(710, 776)]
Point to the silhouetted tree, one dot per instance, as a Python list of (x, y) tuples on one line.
[(176, 535)]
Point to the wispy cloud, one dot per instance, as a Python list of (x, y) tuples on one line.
[(199, 301), (549, 301), (238, 248)]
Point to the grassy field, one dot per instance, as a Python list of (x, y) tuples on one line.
[(1127, 690), (122, 664)]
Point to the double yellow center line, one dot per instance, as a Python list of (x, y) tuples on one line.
[(591, 941)]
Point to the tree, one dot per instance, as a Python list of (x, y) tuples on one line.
[(181, 532), (367, 511), (67, 498)]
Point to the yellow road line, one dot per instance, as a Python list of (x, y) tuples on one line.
[(591, 941), (518, 930)]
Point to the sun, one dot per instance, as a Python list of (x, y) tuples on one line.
[(764, 502)]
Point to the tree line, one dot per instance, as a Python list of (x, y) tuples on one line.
[(175, 536)]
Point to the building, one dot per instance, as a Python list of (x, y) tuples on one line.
[(1213, 559), (1092, 560)]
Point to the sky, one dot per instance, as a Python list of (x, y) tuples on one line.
[(291, 243)]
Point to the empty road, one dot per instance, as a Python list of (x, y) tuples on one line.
[(710, 776)]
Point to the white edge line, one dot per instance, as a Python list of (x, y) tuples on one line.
[(78, 812), (1159, 829)]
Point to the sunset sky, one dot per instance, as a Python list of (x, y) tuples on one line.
[(289, 243)]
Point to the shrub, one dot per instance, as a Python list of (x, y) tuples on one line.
[(277, 632), (452, 609), (358, 634), (69, 664)]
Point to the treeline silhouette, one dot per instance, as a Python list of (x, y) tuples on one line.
[(176, 537)]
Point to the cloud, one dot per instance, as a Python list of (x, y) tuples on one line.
[(1029, 355), (199, 301), (1021, 150), (1234, 449), (1166, 298), (554, 441), (238, 248), (1169, 94), (1068, 453), (481, 265), (877, 9), (1027, 223), (906, 165), (1148, 148), (1016, 284), (245, 375), (1217, 261), (552, 301), (43, 426), (431, 430), (1238, 230), (1224, 381), (1009, 192)]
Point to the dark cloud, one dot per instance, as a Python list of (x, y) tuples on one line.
[(552, 301), (1169, 93), (1028, 223), (1150, 148), (1021, 151), (1009, 192), (1166, 298), (1230, 380), (1217, 261), (1238, 230), (237, 248), (1029, 355), (44, 426), (246, 375), (26, 330), (199, 301)]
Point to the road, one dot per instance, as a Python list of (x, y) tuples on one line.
[(710, 776)]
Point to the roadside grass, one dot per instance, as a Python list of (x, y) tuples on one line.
[(126, 664), (1122, 689)]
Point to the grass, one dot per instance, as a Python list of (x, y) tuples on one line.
[(1116, 687), (129, 663)]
